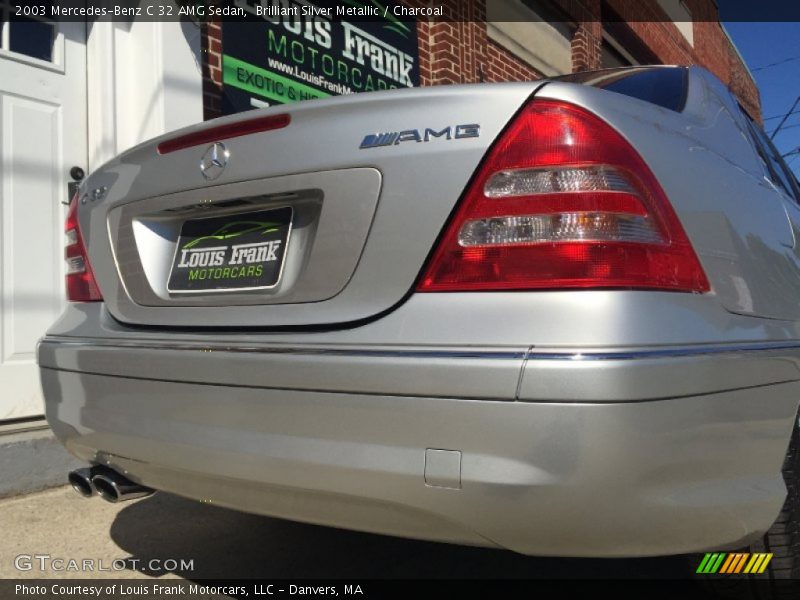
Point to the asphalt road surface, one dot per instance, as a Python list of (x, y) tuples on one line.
[(223, 543)]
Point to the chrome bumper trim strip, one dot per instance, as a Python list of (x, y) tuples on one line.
[(531, 354)]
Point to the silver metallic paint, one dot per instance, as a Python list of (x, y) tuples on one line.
[(574, 479), (591, 423), (420, 184)]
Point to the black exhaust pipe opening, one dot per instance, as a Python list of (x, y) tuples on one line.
[(106, 488), (81, 482)]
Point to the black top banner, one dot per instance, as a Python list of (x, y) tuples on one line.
[(362, 10)]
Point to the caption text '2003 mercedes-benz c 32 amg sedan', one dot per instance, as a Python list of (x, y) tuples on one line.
[(560, 317)]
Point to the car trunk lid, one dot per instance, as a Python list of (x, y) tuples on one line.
[(355, 189)]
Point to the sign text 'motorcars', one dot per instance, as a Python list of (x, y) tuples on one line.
[(291, 50)]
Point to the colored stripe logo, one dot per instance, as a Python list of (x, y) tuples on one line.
[(723, 563), (379, 139)]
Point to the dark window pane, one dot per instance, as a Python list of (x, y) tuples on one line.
[(32, 38), (661, 86), (610, 57)]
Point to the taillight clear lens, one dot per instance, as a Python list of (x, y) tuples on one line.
[(563, 201), (559, 227), (526, 182), (81, 285)]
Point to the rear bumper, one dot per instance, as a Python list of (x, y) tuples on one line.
[(352, 439)]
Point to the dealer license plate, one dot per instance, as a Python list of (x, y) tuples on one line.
[(232, 253)]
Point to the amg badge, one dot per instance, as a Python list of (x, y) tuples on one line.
[(455, 132)]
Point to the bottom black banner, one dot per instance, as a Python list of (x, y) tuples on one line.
[(137, 589)]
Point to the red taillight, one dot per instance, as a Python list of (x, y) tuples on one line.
[(81, 285), (224, 132), (563, 201)]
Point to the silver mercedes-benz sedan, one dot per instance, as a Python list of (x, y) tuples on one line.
[(560, 317)]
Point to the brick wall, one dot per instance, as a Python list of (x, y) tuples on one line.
[(459, 51), (211, 47)]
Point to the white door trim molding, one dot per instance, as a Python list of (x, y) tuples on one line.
[(145, 79)]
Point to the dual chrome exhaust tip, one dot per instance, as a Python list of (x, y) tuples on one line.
[(81, 481), (106, 483)]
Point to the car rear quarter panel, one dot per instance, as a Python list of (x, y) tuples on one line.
[(734, 218)]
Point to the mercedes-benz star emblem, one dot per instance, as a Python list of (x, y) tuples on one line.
[(214, 160)]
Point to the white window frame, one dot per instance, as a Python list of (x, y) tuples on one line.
[(509, 24), (678, 11), (619, 48), (56, 64)]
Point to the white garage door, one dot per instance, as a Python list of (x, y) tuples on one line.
[(42, 136)]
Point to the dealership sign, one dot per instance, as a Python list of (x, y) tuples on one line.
[(291, 50)]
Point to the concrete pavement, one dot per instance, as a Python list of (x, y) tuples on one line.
[(31, 459), (222, 543)]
